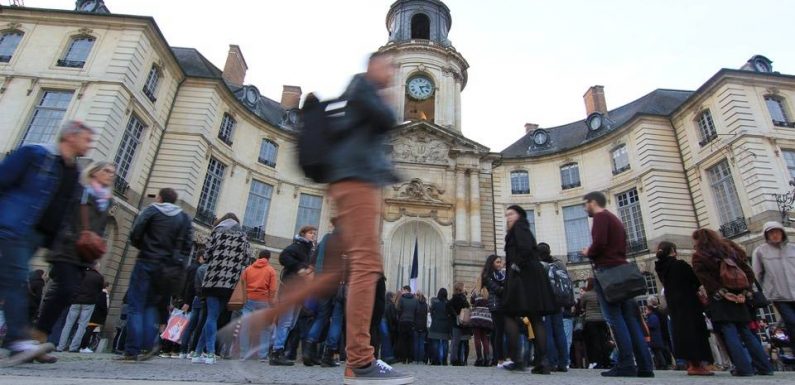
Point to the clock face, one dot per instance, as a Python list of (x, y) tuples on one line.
[(420, 87), (252, 95), (761, 66), (88, 5), (540, 138), (595, 122)]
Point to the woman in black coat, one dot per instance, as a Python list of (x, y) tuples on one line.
[(690, 333), (528, 292), (493, 279)]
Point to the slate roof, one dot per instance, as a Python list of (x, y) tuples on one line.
[(660, 102), (194, 64)]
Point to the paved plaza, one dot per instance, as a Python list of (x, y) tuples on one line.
[(101, 370)]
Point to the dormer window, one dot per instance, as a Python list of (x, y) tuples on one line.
[(706, 128), (540, 138), (77, 52), (251, 95), (9, 40), (595, 121)]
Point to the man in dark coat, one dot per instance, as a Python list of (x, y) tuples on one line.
[(407, 313)]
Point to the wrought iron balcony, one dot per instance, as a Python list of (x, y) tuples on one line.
[(708, 139), (520, 191), (121, 186), (734, 228), (570, 185), (637, 246), (617, 171), (150, 94), (256, 234), (204, 216), (71, 63), (5, 58), (576, 257), (226, 139), (267, 162), (777, 123)]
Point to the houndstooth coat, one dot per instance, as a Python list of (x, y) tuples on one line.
[(227, 253)]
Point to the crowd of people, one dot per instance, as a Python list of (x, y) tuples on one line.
[(329, 303)]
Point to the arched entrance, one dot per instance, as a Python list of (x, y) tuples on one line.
[(434, 267)]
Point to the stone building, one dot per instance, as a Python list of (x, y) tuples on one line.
[(671, 161)]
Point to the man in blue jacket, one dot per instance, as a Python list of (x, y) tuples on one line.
[(37, 185)]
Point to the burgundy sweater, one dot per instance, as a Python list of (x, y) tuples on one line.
[(609, 241)]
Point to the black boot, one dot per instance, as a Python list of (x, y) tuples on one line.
[(328, 360), (306, 353), (277, 359), (315, 350)]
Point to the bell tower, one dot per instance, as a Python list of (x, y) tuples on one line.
[(431, 72)]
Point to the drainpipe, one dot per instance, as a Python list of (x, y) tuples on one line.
[(146, 185), (687, 181)]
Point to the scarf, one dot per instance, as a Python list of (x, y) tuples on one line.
[(101, 194), (499, 275)]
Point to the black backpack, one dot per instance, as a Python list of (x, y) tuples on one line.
[(323, 124)]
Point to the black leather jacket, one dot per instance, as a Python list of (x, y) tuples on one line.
[(156, 232)]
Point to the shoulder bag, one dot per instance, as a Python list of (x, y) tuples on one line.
[(238, 298), (621, 282), (90, 246)]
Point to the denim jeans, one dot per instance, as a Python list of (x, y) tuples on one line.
[(440, 350), (284, 325), (331, 311), (193, 324), (387, 353), (787, 312), (568, 328), (142, 317), (624, 319), (80, 315), (264, 336), (558, 349), (419, 345), (210, 330), (744, 347), (15, 257)]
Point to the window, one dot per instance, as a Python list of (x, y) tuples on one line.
[(259, 202), (706, 128), (775, 105), (211, 189), (789, 157), (630, 214), (420, 26), (531, 217), (77, 53), (267, 153), (9, 41), (520, 182), (570, 176), (728, 203), (578, 235), (309, 207), (130, 141), (47, 117), (620, 160), (651, 283), (150, 87), (227, 129)]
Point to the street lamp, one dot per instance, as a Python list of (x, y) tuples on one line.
[(785, 202)]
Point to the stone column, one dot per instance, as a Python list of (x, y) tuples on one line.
[(460, 206), (474, 206)]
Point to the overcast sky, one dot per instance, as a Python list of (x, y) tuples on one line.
[(530, 61)]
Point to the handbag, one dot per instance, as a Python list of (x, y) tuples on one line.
[(90, 246), (238, 298), (480, 317), (464, 317), (621, 282), (759, 300)]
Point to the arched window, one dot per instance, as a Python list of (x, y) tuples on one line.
[(775, 105), (420, 26), (520, 182), (9, 40), (77, 52), (268, 152)]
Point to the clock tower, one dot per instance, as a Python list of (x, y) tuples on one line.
[(431, 72)]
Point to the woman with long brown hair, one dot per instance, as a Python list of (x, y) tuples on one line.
[(722, 267)]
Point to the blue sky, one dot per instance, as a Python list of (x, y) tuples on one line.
[(531, 61)]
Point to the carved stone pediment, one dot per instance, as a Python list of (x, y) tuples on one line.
[(418, 191), (420, 148)]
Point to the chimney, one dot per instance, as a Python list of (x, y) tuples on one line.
[(235, 67), (530, 127), (291, 97), (595, 100)]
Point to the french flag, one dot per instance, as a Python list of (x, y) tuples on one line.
[(415, 268)]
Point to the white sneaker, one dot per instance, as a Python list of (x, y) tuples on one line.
[(593, 365), (183, 356), (86, 350), (504, 364), (210, 360), (198, 359)]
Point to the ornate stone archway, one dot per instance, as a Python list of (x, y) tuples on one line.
[(433, 254)]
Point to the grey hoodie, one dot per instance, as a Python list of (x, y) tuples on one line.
[(774, 266)]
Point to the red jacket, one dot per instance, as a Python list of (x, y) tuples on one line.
[(261, 281), (608, 241)]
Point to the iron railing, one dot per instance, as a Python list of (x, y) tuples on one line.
[(71, 63), (256, 234), (204, 216), (121, 186), (734, 228)]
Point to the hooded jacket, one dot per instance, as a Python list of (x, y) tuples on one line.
[(261, 281), (156, 232), (774, 266)]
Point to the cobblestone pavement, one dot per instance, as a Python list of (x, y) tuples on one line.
[(76, 369)]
